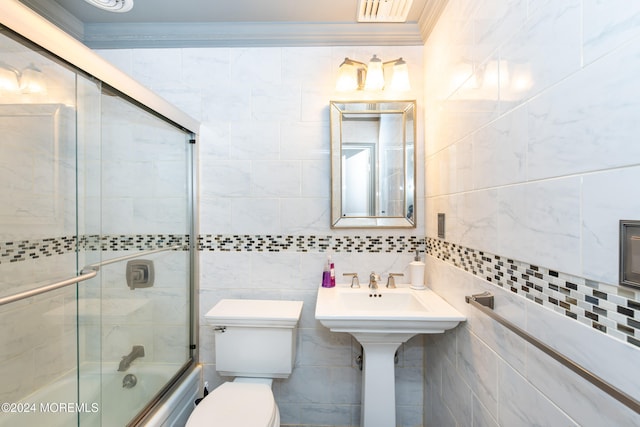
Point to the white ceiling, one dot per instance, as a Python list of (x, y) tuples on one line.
[(172, 23)]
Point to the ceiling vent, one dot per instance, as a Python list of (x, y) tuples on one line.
[(112, 5), (383, 10)]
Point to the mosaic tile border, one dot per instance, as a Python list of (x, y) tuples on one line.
[(24, 250), (33, 249), (580, 299), (310, 243)]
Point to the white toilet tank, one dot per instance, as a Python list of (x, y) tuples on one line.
[(255, 338)]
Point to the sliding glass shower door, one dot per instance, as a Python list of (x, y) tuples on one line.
[(145, 220), (95, 196)]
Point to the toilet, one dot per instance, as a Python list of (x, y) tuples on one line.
[(255, 342)]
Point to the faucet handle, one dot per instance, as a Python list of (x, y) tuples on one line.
[(391, 281), (355, 282)]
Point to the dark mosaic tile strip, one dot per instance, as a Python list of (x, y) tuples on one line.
[(33, 249), (578, 298), (311, 243)]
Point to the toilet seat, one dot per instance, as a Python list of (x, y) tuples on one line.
[(236, 404)]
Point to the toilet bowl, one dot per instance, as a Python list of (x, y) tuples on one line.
[(255, 342), (237, 404)]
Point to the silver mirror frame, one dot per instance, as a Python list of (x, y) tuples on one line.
[(408, 109)]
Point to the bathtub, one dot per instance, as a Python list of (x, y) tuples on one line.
[(56, 405)]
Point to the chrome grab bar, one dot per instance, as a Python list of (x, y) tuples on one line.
[(47, 288), (86, 273), (484, 303)]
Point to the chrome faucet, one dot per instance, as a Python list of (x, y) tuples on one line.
[(355, 282), (373, 280), (125, 363), (391, 281)]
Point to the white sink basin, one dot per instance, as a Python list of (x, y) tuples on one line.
[(393, 311), (381, 320)]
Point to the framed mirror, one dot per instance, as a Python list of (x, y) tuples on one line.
[(373, 158)]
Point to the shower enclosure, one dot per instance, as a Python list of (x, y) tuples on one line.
[(97, 242)]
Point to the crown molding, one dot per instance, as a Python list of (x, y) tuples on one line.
[(429, 17), (240, 34), (59, 16), (248, 34)]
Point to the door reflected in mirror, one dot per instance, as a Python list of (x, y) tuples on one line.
[(373, 164)]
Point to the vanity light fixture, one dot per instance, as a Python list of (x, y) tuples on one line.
[(356, 75), (112, 5)]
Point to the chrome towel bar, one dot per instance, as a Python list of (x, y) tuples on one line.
[(484, 303)]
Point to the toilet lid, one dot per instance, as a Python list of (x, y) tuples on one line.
[(235, 405)]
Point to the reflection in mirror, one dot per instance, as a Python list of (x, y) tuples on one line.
[(373, 164)]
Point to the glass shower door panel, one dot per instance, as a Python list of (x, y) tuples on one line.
[(89, 225), (144, 237), (38, 238)]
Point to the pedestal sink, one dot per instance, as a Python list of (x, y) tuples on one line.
[(381, 320)]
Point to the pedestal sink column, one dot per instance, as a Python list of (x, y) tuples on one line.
[(378, 378)]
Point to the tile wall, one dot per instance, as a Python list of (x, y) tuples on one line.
[(530, 112), (264, 205)]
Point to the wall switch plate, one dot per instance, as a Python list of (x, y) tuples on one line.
[(441, 225)]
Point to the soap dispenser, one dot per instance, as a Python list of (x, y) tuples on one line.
[(416, 271), (327, 281)]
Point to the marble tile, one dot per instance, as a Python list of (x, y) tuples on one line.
[(213, 143), (305, 141), (477, 364), (224, 269), (306, 215), (231, 178), (307, 66), (205, 68), (523, 405), (268, 269), (540, 222), (495, 21), (345, 385), (306, 385), (544, 51), (586, 346), (215, 214), (255, 140), (157, 68), (476, 220), (481, 416), (228, 101), (321, 347), (313, 174), (606, 201), (499, 151), (608, 25), (582, 401), (276, 102), (325, 415), (243, 65), (567, 126), (454, 389), (409, 386), (285, 183)]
